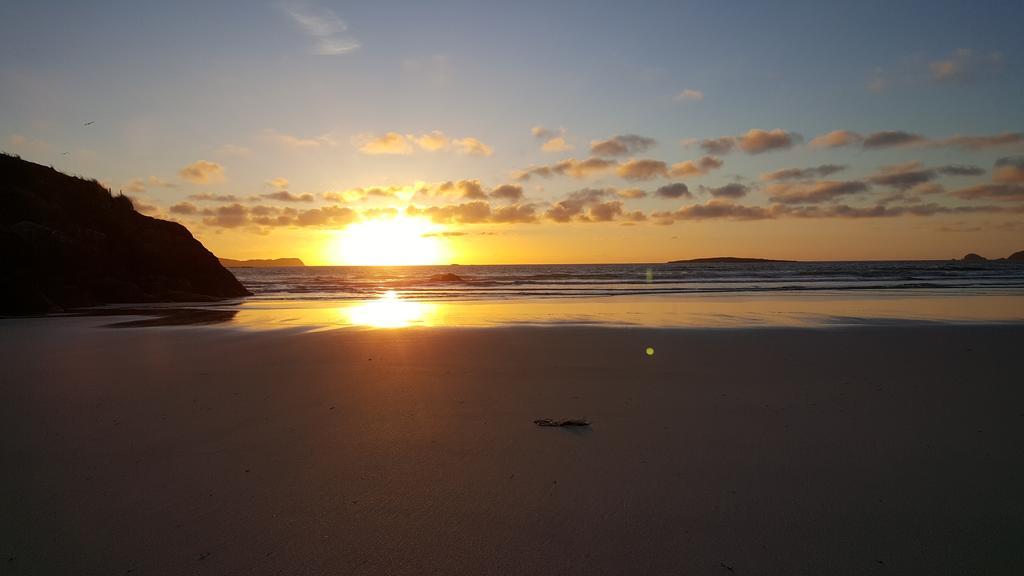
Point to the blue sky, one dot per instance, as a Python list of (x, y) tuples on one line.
[(246, 86)]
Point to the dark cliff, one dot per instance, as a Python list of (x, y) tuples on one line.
[(66, 242)]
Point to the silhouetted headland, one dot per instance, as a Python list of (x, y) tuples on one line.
[(725, 260), (67, 242), (262, 263), (973, 258)]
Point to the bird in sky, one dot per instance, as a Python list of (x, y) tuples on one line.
[(89, 123)]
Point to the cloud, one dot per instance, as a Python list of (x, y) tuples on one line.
[(903, 176), (733, 190), (675, 190), (572, 207), (689, 95), (822, 171), (963, 64), (698, 168), (757, 141), (1003, 192), (389, 143), (183, 208), (631, 193), (813, 192), (621, 145), (278, 182), (472, 147), (961, 170), (508, 192), (554, 140), (327, 30), (296, 142), (724, 209), (286, 196), (891, 138), (718, 146), (836, 139), (642, 169), (571, 167), (230, 216), (556, 144), (202, 172), (716, 209), (983, 142), (207, 197), (542, 133), (514, 214), (434, 140), (468, 213), (135, 186), (1009, 170)]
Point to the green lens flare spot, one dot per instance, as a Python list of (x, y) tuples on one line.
[(650, 351)]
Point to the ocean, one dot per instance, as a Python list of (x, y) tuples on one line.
[(506, 282)]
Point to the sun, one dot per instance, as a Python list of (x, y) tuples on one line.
[(388, 242)]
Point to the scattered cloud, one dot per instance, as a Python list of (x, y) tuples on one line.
[(278, 182), (508, 193), (389, 143), (1009, 170), (286, 196), (892, 138), (674, 190), (903, 176), (434, 140), (754, 141), (689, 95), (631, 193), (184, 209), (836, 139), (573, 206), (296, 142), (327, 30), (822, 171), (621, 145), (757, 141), (202, 172), (983, 142), (813, 192), (571, 167), (553, 140), (472, 147), (1003, 192), (718, 146), (207, 197), (732, 190), (695, 168), (963, 64), (641, 169)]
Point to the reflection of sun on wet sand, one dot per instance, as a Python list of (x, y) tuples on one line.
[(390, 311)]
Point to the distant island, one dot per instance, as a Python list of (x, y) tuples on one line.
[(725, 260), (67, 243), (973, 258), (261, 263)]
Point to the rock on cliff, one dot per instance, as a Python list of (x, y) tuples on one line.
[(66, 242)]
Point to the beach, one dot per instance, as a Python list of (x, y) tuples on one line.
[(881, 449)]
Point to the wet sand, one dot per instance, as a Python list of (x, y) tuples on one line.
[(199, 450)]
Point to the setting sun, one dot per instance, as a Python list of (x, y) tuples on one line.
[(392, 242)]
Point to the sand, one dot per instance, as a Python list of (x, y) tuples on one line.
[(192, 450)]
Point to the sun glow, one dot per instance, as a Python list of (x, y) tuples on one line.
[(390, 311), (392, 242)]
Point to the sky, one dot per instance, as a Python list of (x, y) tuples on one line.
[(535, 132)]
